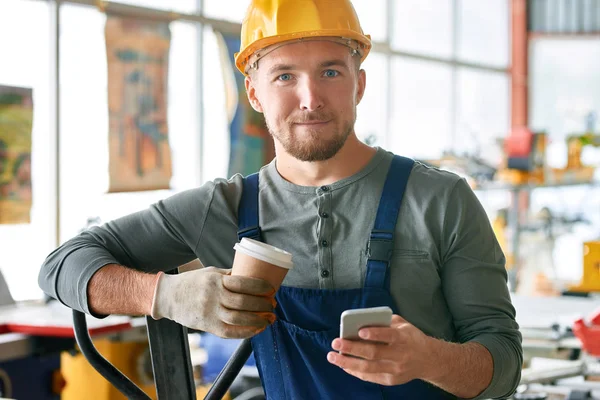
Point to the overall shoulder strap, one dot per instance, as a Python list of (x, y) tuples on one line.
[(381, 241), (248, 210)]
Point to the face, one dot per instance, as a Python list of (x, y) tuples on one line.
[(308, 93)]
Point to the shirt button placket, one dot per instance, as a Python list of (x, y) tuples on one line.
[(325, 252)]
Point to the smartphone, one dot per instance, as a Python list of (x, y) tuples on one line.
[(354, 320)]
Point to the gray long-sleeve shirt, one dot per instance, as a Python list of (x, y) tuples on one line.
[(447, 272)]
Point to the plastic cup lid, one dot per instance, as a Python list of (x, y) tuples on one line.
[(265, 252)]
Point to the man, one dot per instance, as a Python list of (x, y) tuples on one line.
[(365, 227)]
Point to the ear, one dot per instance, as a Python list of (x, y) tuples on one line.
[(251, 93), (362, 83)]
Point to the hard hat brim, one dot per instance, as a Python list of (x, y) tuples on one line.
[(241, 58)]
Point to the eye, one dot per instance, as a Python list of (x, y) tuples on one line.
[(285, 77), (330, 73)]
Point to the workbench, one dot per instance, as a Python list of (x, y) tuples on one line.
[(32, 337)]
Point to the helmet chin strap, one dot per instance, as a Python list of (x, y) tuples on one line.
[(355, 48)]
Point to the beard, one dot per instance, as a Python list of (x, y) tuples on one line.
[(311, 145)]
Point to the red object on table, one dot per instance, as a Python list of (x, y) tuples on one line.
[(589, 334), (54, 320), (61, 331), (519, 142)]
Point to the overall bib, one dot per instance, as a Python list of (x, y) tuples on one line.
[(291, 354)]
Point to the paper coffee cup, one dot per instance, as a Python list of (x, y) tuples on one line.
[(260, 260)]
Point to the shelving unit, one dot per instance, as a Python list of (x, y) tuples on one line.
[(516, 214)]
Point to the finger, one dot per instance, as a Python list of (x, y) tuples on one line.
[(361, 348), (242, 318), (244, 302), (269, 316), (247, 285), (398, 320), (360, 365), (382, 335), (273, 301)]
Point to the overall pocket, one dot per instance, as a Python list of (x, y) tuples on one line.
[(306, 372)]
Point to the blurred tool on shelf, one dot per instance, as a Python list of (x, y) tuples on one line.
[(526, 157), (577, 142), (474, 169), (575, 167), (539, 275)]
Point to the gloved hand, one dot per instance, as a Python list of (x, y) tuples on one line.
[(212, 300)]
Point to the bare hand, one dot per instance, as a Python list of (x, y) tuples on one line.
[(387, 356)]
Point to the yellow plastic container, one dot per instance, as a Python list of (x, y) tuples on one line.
[(591, 269), (83, 382)]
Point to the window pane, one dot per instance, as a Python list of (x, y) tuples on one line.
[(183, 6), (421, 112), (483, 113), (371, 112), (373, 18), (25, 63), (423, 26), (84, 113), (215, 155), (564, 89), (228, 10), (483, 31)]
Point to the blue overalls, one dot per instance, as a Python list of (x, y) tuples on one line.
[(291, 354)]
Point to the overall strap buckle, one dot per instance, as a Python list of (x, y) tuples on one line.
[(251, 233), (380, 246)]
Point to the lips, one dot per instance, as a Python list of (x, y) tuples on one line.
[(311, 123)]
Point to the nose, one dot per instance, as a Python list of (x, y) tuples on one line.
[(310, 94)]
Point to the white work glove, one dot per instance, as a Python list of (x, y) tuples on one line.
[(212, 300)]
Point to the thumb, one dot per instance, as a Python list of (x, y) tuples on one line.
[(222, 271)]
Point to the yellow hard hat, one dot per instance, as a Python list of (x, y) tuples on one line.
[(270, 22)]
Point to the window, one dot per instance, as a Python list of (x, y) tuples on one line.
[(454, 105), (371, 121), (25, 53), (564, 88), (183, 6), (228, 10), (483, 32), (421, 114), (373, 18), (423, 27), (482, 113), (215, 146)]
